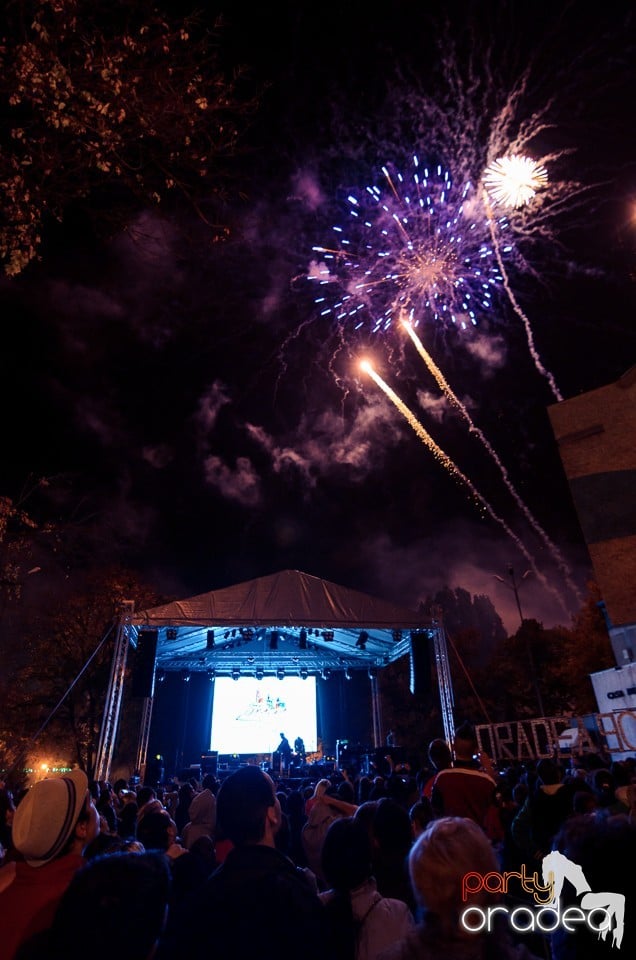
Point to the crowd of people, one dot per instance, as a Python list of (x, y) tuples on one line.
[(349, 867)]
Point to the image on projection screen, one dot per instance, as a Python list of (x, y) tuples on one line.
[(248, 715)]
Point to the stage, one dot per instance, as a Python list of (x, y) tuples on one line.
[(355, 759)]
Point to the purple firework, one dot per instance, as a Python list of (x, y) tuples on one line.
[(416, 247)]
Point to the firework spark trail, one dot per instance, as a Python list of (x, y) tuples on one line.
[(454, 399), (515, 305), (454, 470)]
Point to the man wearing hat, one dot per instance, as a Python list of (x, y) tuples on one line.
[(53, 824)]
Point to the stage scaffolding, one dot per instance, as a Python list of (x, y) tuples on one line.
[(113, 704), (444, 679)]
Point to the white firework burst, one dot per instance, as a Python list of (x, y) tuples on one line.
[(513, 181)]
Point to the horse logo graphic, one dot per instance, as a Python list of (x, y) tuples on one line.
[(557, 869)]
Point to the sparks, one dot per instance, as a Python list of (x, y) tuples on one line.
[(419, 245), (513, 181), (444, 460), (446, 389)]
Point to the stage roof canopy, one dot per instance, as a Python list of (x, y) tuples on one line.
[(289, 621)]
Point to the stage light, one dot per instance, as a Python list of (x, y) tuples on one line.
[(347, 673), (373, 673), (259, 673), (209, 645), (236, 673), (361, 642), (212, 675), (186, 676), (327, 635), (304, 673), (171, 633), (280, 673), (302, 639), (397, 636), (273, 640), (161, 676), (326, 673)]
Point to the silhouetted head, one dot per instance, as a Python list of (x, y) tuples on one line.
[(246, 804), (439, 753), (465, 742), (346, 854)]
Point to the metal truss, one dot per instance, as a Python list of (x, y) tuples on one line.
[(112, 707), (444, 679)]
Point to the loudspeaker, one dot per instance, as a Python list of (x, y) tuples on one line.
[(144, 665), (155, 771), (420, 663), (210, 762)]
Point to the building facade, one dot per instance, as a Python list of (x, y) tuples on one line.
[(596, 435)]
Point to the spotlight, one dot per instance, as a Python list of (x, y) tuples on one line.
[(161, 676), (171, 633), (347, 673), (302, 639), (327, 635), (361, 642), (212, 675), (326, 673), (373, 673), (186, 676), (236, 673), (304, 673), (273, 640), (280, 673), (209, 645), (259, 673), (397, 636)]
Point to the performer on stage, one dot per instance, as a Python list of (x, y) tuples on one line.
[(284, 751), (299, 749)]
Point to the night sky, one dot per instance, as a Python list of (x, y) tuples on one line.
[(190, 400)]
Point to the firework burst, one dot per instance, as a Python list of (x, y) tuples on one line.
[(416, 246), (513, 181)]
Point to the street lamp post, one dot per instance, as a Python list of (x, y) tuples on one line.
[(513, 585)]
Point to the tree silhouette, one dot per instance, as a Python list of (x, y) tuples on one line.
[(54, 713), (112, 107)]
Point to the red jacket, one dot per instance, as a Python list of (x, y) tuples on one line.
[(464, 792), (28, 904)]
